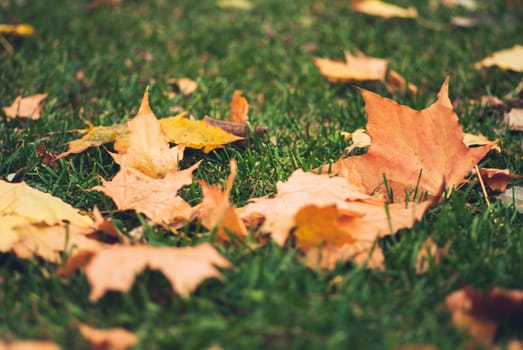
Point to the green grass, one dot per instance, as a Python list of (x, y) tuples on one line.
[(269, 300)]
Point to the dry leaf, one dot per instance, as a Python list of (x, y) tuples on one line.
[(28, 345), (411, 149), (235, 4), (300, 190), (148, 151), (108, 339), (383, 9), (508, 59), (196, 134), (36, 206), (156, 198), (395, 82), (498, 179), (217, 211), (362, 253), (469, 4), (480, 314), (479, 140), (513, 196), (359, 138), (514, 119), (94, 137), (239, 108), (185, 267), (27, 107), (187, 86), (355, 68), (17, 29), (427, 251)]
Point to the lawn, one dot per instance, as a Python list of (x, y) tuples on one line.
[(96, 64)]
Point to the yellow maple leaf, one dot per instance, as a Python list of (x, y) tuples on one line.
[(509, 59), (383, 9), (196, 134)]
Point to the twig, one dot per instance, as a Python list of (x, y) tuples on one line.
[(482, 185)]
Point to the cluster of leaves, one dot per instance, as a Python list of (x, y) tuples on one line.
[(335, 214)]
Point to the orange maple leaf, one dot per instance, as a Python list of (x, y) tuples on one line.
[(411, 149), (26, 107), (185, 267), (113, 338), (355, 68), (216, 210), (239, 108)]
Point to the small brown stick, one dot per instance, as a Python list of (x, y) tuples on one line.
[(482, 185)]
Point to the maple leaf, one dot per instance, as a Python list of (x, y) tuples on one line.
[(239, 108), (148, 151), (28, 345), (300, 190), (37, 206), (355, 68), (113, 338), (480, 314), (27, 107), (508, 59), (411, 149), (196, 133), (96, 136), (497, 179), (361, 253), (187, 86), (156, 198), (383, 9), (185, 267), (216, 210), (514, 119)]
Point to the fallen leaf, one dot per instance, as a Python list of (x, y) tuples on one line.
[(359, 139), (238, 129), (300, 190), (156, 198), (17, 29), (514, 119), (513, 196), (508, 59), (498, 179), (187, 86), (28, 345), (355, 68), (217, 211), (96, 136), (468, 4), (148, 151), (235, 4), (361, 253), (196, 134), (383, 9), (395, 82), (184, 267), (417, 347), (429, 251), (480, 314), (478, 140), (413, 150), (108, 339), (239, 108), (26, 107), (36, 206)]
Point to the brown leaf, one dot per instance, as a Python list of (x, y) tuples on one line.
[(185, 268), (27, 107), (108, 339), (148, 151), (480, 314), (239, 108), (411, 149), (28, 345), (187, 86), (362, 253), (156, 198), (498, 179), (395, 82), (383, 9), (508, 59), (238, 129), (300, 190), (514, 119), (217, 211), (355, 68)]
